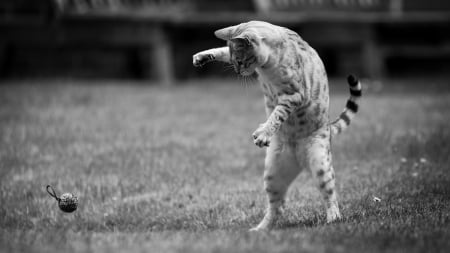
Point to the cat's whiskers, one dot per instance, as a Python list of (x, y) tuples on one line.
[(227, 67), (243, 80), (246, 81)]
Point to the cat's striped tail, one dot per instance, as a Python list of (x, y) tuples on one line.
[(351, 108)]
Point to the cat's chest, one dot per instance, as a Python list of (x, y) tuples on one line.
[(269, 82), (270, 91), (273, 84)]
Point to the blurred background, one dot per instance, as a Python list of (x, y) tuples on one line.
[(155, 39), (99, 98)]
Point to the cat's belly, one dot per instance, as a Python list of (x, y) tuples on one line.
[(304, 121)]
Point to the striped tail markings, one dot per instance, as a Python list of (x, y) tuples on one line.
[(351, 107)]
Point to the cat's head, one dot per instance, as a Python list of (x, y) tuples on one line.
[(247, 48)]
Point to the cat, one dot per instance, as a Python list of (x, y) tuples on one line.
[(297, 132)]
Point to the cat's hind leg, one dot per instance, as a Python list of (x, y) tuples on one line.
[(281, 168), (317, 157), (216, 54)]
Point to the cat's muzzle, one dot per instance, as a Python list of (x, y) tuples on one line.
[(237, 69), (241, 72)]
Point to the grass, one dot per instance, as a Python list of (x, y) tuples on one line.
[(175, 170)]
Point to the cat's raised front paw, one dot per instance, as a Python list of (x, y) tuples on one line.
[(261, 137), (201, 59)]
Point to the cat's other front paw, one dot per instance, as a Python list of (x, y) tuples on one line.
[(201, 59), (333, 214), (261, 136)]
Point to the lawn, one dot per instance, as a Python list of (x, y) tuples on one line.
[(174, 170)]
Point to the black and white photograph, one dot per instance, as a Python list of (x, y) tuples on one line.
[(225, 126)]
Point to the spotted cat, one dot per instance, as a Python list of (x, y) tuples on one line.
[(297, 131)]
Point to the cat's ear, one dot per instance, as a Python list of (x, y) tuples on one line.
[(241, 40), (225, 33), (249, 37)]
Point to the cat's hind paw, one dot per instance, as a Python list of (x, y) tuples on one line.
[(201, 59), (258, 230), (333, 214)]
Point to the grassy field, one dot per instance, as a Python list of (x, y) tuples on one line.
[(175, 170)]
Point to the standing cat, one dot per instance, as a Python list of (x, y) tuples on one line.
[(295, 86)]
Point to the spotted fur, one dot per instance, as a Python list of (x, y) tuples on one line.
[(297, 131)]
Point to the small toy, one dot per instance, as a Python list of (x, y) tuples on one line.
[(67, 202)]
